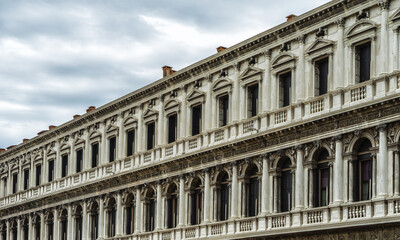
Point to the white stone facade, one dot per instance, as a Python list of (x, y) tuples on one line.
[(263, 142)]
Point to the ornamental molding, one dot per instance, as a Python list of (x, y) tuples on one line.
[(360, 27)]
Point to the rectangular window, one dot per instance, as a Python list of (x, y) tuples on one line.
[(321, 69), (15, 183), (285, 89), (38, 174), (252, 100), (130, 142), (51, 171), (26, 179), (363, 62), (112, 149), (150, 135), (196, 119), (79, 160), (172, 127), (223, 105), (64, 165), (95, 155)]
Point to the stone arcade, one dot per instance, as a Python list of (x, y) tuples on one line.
[(291, 134)]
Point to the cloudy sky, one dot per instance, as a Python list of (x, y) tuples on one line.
[(59, 57)]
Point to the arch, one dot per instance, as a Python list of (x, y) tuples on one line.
[(284, 161), (130, 120), (223, 195), (171, 103), (195, 204), (282, 58), (172, 193), (319, 44), (317, 151), (355, 141), (195, 96), (149, 208), (221, 83), (93, 209), (361, 26), (77, 212), (94, 134), (251, 190), (128, 199)]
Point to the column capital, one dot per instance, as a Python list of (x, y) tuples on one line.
[(301, 39), (340, 22), (299, 147), (381, 127), (385, 4), (337, 138), (267, 53)]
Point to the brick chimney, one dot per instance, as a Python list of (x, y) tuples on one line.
[(51, 127), (220, 48), (2, 150), (76, 116), (290, 17), (25, 140), (167, 70), (91, 108)]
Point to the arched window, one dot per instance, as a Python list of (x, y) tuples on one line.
[(49, 226), (362, 171), (111, 210), (172, 206), (130, 214), (150, 210), (251, 195), (196, 202), (223, 196), (14, 230), (25, 229), (36, 227), (3, 230), (64, 224), (94, 221), (78, 222), (321, 179), (285, 185)]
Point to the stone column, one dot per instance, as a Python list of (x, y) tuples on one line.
[(159, 208), (137, 211), (119, 220), (181, 201), (8, 230), (311, 192), (351, 179), (299, 187), (339, 69), (102, 226), (395, 53), (42, 226), (55, 224), (274, 92), (70, 223), (86, 161), (338, 171), (209, 120), (276, 199), (85, 227), (207, 192), (161, 139), (236, 93), (264, 186), (19, 229), (300, 70), (121, 137), (384, 61), (103, 158), (396, 173), (381, 176), (182, 120), (234, 203), (266, 85)]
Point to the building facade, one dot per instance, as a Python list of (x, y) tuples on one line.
[(291, 134)]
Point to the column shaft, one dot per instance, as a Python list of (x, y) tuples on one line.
[(338, 172), (351, 179), (396, 173), (137, 211), (159, 207), (382, 173), (234, 192), (181, 201), (276, 198), (207, 196), (118, 222), (299, 187), (102, 227), (264, 187)]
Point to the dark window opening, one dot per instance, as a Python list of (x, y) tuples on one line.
[(321, 180), (150, 135), (25, 229), (224, 197), (95, 155), (130, 143), (50, 230), (252, 100), (38, 174), (78, 228), (64, 165), (363, 62), (5, 186), (285, 89), (321, 76), (64, 223), (150, 211), (286, 186), (252, 192), (223, 106), (196, 119), (94, 228), (172, 204), (37, 232), (79, 160), (15, 183), (196, 202), (112, 149), (26, 179), (51, 171), (172, 127), (362, 171), (130, 218), (111, 214)]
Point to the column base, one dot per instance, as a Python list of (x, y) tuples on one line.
[(296, 218)]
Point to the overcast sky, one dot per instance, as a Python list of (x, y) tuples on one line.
[(59, 57)]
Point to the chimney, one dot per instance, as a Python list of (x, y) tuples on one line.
[(51, 127), (290, 17), (2, 150), (76, 116), (25, 140), (220, 48), (167, 70), (91, 108), (41, 132)]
